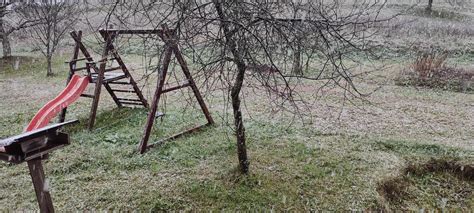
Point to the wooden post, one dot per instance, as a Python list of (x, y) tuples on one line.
[(156, 99), (33, 147), (187, 73), (171, 47), (81, 46), (99, 80), (72, 66), (42, 192)]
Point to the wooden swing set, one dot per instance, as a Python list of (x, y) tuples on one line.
[(35, 144), (115, 78)]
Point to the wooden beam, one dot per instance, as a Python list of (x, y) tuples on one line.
[(171, 47), (179, 57), (169, 89), (189, 131), (99, 80), (132, 32), (72, 67), (156, 98), (126, 71), (40, 185)]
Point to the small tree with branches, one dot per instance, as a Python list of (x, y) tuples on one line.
[(254, 41), (9, 23), (54, 20)]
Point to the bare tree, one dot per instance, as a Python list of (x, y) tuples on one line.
[(8, 26), (251, 41), (54, 20), (3, 34)]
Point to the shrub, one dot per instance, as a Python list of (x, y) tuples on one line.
[(430, 70)]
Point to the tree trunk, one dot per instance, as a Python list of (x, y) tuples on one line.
[(7, 50), (430, 6), (50, 68), (238, 121), (236, 88), (297, 68)]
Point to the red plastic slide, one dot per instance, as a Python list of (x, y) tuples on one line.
[(69, 95)]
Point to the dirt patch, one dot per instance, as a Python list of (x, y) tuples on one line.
[(440, 184)]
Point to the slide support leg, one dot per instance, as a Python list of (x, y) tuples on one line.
[(41, 188)]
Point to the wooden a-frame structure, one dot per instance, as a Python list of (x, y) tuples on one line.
[(105, 76), (171, 46), (109, 77)]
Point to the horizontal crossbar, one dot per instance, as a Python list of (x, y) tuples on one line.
[(189, 131), (119, 82), (142, 31), (112, 69), (76, 60), (131, 103), (176, 87), (87, 96), (122, 90), (127, 99)]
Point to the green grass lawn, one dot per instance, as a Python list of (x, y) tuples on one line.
[(350, 163), (401, 148)]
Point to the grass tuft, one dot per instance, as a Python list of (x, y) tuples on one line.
[(430, 70), (440, 14), (439, 183)]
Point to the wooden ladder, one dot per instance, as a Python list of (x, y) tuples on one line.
[(120, 85), (117, 79)]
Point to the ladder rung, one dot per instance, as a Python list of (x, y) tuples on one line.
[(109, 77), (112, 69), (119, 82), (87, 96), (131, 103), (122, 90), (79, 59), (127, 99), (115, 78)]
